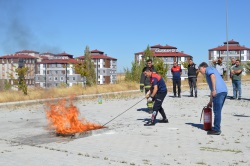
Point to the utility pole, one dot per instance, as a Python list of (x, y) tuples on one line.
[(227, 39)]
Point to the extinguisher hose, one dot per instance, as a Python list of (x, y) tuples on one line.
[(202, 113)]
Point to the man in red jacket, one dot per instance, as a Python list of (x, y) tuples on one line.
[(176, 72)]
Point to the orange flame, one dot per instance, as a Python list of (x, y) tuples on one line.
[(64, 119)]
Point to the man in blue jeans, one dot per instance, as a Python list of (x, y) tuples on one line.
[(218, 94), (158, 92), (236, 72)]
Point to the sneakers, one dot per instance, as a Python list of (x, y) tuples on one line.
[(163, 121), (149, 124), (213, 132)]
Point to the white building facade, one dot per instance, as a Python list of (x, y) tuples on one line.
[(235, 50), (168, 54), (105, 67)]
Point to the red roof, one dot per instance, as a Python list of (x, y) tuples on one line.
[(44, 57), (163, 47), (231, 42), (171, 54), (16, 56), (47, 53), (65, 54), (98, 57), (28, 51), (58, 61), (156, 46), (96, 51), (231, 48)]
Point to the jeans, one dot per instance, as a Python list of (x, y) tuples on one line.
[(178, 83), (218, 102), (236, 87), (192, 85)]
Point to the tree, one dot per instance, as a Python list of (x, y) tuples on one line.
[(21, 82), (247, 67), (148, 54), (135, 73), (161, 68), (90, 68), (185, 64)]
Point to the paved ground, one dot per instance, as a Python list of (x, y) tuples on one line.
[(26, 140)]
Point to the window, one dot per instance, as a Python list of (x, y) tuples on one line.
[(67, 78), (50, 78), (55, 78), (74, 78), (61, 78), (242, 51), (242, 58)]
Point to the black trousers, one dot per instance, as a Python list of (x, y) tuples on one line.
[(192, 85), (178, 84), (159, 98)]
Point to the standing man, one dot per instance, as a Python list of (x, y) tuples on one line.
[(192, 77), (218, 94), (236, 79), (233, 61), (145, 82), (220, 67), (176, 72), (158, 92)]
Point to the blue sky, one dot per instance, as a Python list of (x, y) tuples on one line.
[(121, 28)]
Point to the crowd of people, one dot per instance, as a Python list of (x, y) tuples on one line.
[(156, 90)]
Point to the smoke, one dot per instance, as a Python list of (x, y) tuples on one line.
[(15, 30), (16, 34)]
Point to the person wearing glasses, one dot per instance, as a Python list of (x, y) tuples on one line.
[(145, 82)]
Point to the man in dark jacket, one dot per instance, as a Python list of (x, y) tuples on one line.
[(145, 82), (158, 92), (192, 77)]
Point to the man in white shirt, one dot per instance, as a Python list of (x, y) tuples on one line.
[(220, 67)]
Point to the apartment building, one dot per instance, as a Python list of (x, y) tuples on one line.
[(9, 63), (105, 67), (168, 54), (235, 50), (56, 69)]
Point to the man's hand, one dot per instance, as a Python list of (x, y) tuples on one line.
[(213, 93), (209, 104), (147, 94), (150, 99)]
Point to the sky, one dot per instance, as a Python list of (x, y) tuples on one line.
[(122, 28)]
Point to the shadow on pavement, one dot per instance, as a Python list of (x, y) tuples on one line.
[(241, 115), (199, 126), (143, 109)]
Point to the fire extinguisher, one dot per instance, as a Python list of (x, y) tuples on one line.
[(207, 117)]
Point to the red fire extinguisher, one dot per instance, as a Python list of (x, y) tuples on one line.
[(207, 117)]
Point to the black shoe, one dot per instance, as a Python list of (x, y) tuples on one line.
[(149, 124), (191, 96), (179, 96), (163, 121), (195, 96), (213, 132), (239, 98)]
